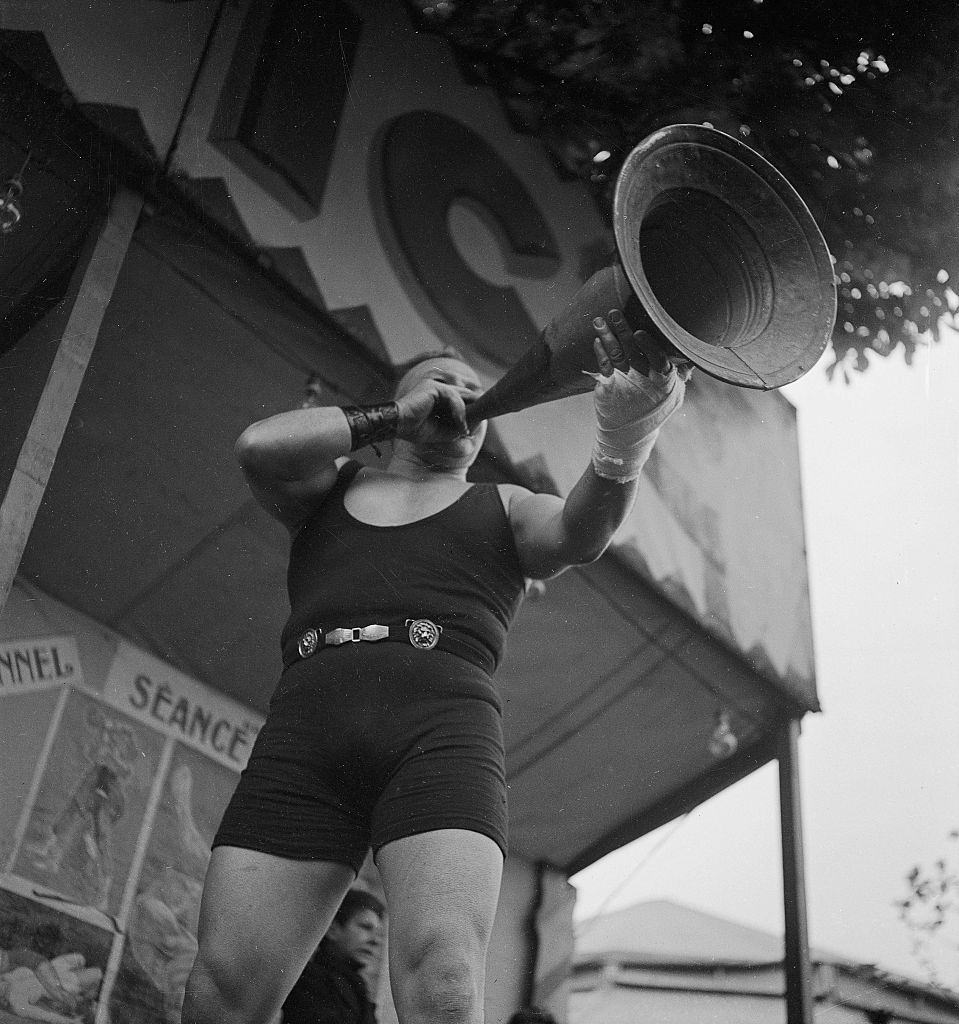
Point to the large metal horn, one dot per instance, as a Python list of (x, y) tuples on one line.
[(718, 257)]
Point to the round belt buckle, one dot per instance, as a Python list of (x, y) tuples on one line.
[(308, 643), (424, 634)]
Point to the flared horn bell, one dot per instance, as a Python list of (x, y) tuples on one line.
[(724, 256), (718, 257)]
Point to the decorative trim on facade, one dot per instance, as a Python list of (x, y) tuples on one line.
[(280, 105)]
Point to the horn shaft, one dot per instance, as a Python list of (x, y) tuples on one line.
[(555, 365), (552, 367)]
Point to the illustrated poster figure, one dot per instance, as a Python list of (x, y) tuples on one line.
[(83, 829)]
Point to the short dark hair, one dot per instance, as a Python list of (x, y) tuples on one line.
[(355, 901), (532, 1015)]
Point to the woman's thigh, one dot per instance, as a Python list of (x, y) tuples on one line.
[(261, 918), (442, 889)]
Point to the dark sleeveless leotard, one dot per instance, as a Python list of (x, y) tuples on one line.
[(366, 743)]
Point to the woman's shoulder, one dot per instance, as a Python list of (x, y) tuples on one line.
[(512, 492)]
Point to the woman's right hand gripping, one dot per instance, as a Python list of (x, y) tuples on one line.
[(432, 411)]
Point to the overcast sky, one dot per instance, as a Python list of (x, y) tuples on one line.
[(880, 771)]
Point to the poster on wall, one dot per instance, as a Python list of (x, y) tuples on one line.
[(83, 826), (84, 823), (112, 785), (51, 964), (162, 923), (32, 687)]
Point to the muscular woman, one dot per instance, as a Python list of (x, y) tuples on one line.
[(384, 730)]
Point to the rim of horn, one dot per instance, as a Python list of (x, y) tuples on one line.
[(724, 256)]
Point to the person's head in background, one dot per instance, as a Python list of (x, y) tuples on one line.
[(532, 1015), (357, 928)]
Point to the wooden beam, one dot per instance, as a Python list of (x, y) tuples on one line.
[(87, 299), (797, 964)]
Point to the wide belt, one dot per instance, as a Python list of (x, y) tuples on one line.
[(423, 634)]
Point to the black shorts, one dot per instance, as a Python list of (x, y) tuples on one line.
[(368, 743)]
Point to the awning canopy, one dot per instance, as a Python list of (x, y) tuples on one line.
[(611, 693)]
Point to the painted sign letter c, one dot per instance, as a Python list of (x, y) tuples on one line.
[(426, 163)]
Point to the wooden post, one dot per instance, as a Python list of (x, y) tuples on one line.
[(797, 965), (88, 296)]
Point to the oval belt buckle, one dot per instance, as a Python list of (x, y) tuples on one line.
[(308, 643), (424, 634)]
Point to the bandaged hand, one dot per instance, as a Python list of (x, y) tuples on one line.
[(630, 406)]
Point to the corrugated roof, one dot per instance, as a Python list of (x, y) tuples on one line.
[(660, 930), (658, 933)]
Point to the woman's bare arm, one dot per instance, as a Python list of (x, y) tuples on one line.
[(290, 459), (552, 534)]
